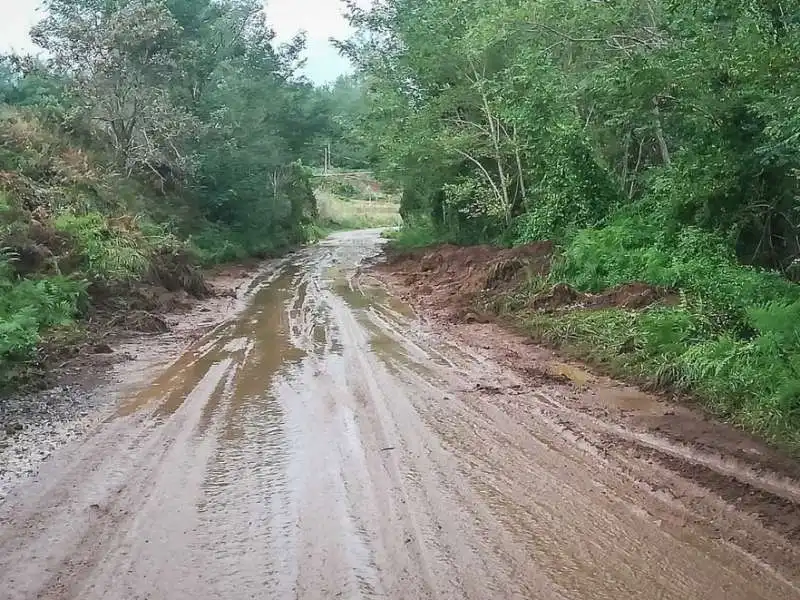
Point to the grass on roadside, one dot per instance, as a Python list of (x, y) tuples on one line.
[(415, 234), (751, 383), (337, 213), (732, 341)]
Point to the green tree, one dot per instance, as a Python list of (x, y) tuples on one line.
[(535, 117)]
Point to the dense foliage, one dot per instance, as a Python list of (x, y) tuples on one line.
[(342, 108), (653, 141)]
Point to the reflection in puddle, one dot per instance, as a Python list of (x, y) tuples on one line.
[(255, 345)]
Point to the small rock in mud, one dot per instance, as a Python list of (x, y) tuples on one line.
[(473, 317), (14, 428), (487, 389)]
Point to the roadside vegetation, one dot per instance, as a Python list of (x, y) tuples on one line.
[(158, 137), (656, 143)]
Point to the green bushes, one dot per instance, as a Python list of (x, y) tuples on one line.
[(30, 307), (345, 190), (104, 250), (733, 340), (415, 233), (214, 245), (700, 263)]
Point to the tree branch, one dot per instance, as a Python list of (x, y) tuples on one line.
[(483, 170)]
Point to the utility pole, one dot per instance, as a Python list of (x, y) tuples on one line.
[(327, 158)]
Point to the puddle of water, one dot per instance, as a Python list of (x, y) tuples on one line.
[(257, 344), (617, 397), (387, 321), (628, 399)]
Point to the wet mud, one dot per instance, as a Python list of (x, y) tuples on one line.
[(90, 375), (329, 442)]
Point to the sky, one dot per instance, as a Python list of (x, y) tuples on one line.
[(320, 19)]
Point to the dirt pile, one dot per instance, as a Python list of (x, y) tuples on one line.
[(447, 279), (120, 313), (633, 296)]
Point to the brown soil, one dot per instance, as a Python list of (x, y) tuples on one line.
[(634, 295), (680, 442), (447, 279), (128, 320)]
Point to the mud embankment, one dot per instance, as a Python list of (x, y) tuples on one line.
[(456, 283), (694, 459)]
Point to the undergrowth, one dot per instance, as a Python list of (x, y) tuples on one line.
[(29, 308), (752, 383), (71, 224), (417, 232), (732, 342)]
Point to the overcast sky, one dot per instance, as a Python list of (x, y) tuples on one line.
[(321, 19)]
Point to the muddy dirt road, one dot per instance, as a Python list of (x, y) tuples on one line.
[(324, 445)]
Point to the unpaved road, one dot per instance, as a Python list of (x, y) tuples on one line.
[(325, 445)]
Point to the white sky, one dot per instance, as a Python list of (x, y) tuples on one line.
[(321, 19)]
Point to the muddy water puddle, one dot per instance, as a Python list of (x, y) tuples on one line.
[(253, 346)]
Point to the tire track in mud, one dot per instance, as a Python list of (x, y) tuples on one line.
[(737, 492)]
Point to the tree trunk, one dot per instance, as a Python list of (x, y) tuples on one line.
[(662, 142)]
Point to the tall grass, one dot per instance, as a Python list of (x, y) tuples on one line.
[(28, 309), (415, 233), (336, 212)]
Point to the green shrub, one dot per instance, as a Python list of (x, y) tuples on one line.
[(733, 340), (415, 233), (214, 245), (345, 190), (753, 382), (30, 307), (630, 249), (105, 251)]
